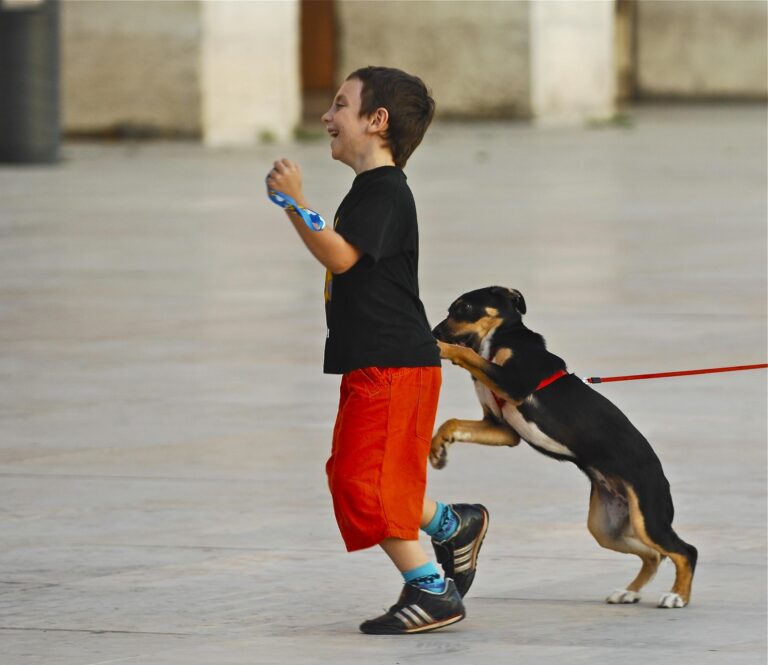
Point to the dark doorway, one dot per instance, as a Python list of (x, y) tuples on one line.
[(318, 57)]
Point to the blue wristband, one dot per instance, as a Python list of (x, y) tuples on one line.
[(311, 218)]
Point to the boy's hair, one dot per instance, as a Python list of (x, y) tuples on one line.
[(408, 102)]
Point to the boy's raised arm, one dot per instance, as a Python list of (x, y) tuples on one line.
[(327, 246)]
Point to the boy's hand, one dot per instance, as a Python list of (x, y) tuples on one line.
[(285, 177)]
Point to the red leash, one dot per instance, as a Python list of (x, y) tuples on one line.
[(662, 375)]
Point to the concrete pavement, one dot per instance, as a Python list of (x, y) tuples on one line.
[(164, 421)]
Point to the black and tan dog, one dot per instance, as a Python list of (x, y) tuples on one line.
[(526, 393)]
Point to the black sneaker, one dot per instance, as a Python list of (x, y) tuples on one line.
[(458, 554), (418, 611)]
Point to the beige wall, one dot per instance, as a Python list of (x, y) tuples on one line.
[(250, 70), (225, 70), (131, 64), (552, 59), (228, 70), (573, 71), (702, 48), (473, 55)]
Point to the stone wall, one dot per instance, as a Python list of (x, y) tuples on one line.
[(473, 55), (702, 48), (228, 71), (573, 70), (131, 66), (250, 71), (223, 70)]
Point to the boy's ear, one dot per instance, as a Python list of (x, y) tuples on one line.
[(379, 120)]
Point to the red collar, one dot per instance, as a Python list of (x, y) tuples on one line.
[(542, 384), (551, 379)]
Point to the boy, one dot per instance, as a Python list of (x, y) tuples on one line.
[(380, 341)]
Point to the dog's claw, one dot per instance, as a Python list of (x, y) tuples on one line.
[(622, 597), (438, 457), (669, 600)]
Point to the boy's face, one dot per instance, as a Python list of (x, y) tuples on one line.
[(351, 135)]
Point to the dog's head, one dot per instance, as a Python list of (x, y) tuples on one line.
[(475, 315)]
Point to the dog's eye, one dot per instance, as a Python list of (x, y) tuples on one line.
[(464, 309)]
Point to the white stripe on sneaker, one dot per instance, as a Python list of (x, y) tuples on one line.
[(406, 621), (465, 549), (424, 615), (415, 618)]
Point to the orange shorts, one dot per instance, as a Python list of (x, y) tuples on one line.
[(377, 472)]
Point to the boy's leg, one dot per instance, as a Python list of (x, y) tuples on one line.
[(405, 554), (414, 565), (426, 603), (427, 512), (457, 532), (377, 476), (377, 470)]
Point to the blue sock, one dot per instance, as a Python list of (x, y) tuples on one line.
[(444, 523), (425, 577)]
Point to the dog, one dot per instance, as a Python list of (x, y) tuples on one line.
[(527, 393)]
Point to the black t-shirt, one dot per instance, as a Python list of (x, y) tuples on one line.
[(374, 314)]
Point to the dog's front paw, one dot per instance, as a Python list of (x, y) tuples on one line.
[(450, 351), (438, 455), (671, 599), (445, 349), (622, 597)]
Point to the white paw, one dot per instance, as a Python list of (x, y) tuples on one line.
[(623, 596), (671, 600)]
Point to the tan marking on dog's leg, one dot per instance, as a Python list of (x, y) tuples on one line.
[(484, 432), (683, 572), (502, 356), (598, 524), (646, 574), (476, 365)]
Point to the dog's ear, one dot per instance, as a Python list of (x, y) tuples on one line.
[(513, 295)]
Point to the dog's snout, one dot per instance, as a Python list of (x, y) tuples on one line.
[(439, 330)]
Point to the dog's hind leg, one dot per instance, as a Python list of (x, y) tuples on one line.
[(651, 516), (487, 432), (610, 525)]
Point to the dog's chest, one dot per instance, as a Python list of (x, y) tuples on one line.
[(488, 399), (528, 430)]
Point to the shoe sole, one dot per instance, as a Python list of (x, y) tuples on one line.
[(421, 629)]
